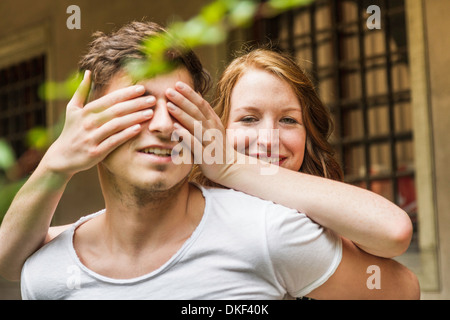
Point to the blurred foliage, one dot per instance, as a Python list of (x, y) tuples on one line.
[(52, 90), (7, 194), (7, 157), (210, 27), (8, 188)]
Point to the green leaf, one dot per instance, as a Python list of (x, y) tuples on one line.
[(288, 4), (191, 32), (214, 12), (7, 157), (156, 46), (243, 13), (38, 138), (213, 35), (52, 90)]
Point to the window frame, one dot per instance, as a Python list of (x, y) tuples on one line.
[(27, 44)]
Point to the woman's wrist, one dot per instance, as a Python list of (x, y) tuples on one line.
[(52, 176), (241, 171)]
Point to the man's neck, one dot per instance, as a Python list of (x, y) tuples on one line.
[(152, 216), (145, 232)]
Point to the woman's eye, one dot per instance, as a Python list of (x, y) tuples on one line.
[(248, 119), (289, 120)]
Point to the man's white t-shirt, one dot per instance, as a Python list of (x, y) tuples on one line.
[(243, 248)]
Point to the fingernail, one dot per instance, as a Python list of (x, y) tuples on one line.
[(140, 89), (147, 113), (180, 85), (136, 127), (171, 92), (86, 74), (150, 100)]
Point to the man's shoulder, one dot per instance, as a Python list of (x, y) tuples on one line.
[(45, 256), (47, 269), (244, 206), (57, 254)]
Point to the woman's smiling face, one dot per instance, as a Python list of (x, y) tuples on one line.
[(260, 103)]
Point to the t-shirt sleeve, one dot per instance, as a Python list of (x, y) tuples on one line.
[(303, 254), (26, 293)]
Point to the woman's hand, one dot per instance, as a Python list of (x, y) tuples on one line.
[(203, 133), (93, 130)]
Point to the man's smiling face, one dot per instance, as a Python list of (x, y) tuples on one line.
[(145, 162)]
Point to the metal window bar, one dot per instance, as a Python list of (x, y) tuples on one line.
[(21, 108)]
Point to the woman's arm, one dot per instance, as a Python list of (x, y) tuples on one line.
[(90, 133), (373, 223), (27, 221)]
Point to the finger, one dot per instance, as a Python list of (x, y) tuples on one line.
[(117, 139), (184, 103), (121, 123), (195, 98), (115, 97), (80, 96), (194, 126), (126, 107), (121, 109), (188, 145)]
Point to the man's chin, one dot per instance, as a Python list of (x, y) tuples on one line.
[(157, 191)]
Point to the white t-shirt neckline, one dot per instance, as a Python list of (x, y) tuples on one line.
[(172, 261)]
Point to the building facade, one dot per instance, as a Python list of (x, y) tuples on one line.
[(380, 67)]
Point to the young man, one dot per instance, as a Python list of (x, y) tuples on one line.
[(160, 237)]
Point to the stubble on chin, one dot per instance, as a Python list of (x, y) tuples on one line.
[(133, 195), (156, 193)]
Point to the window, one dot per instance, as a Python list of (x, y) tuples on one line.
[(21, 108), (362, 75)]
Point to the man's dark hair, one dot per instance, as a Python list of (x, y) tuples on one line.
[(108, 53)]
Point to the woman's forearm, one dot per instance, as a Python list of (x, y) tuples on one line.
[(373, 223), (26, 224)]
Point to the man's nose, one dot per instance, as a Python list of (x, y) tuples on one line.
[(161, 122)]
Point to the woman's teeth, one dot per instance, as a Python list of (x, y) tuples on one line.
[(269, 160)]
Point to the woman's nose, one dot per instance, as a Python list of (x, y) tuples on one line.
[(268, 138)]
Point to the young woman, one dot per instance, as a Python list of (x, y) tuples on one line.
[(261, 90), (266, 90)]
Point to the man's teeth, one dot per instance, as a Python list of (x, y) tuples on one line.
[(158, 151)]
